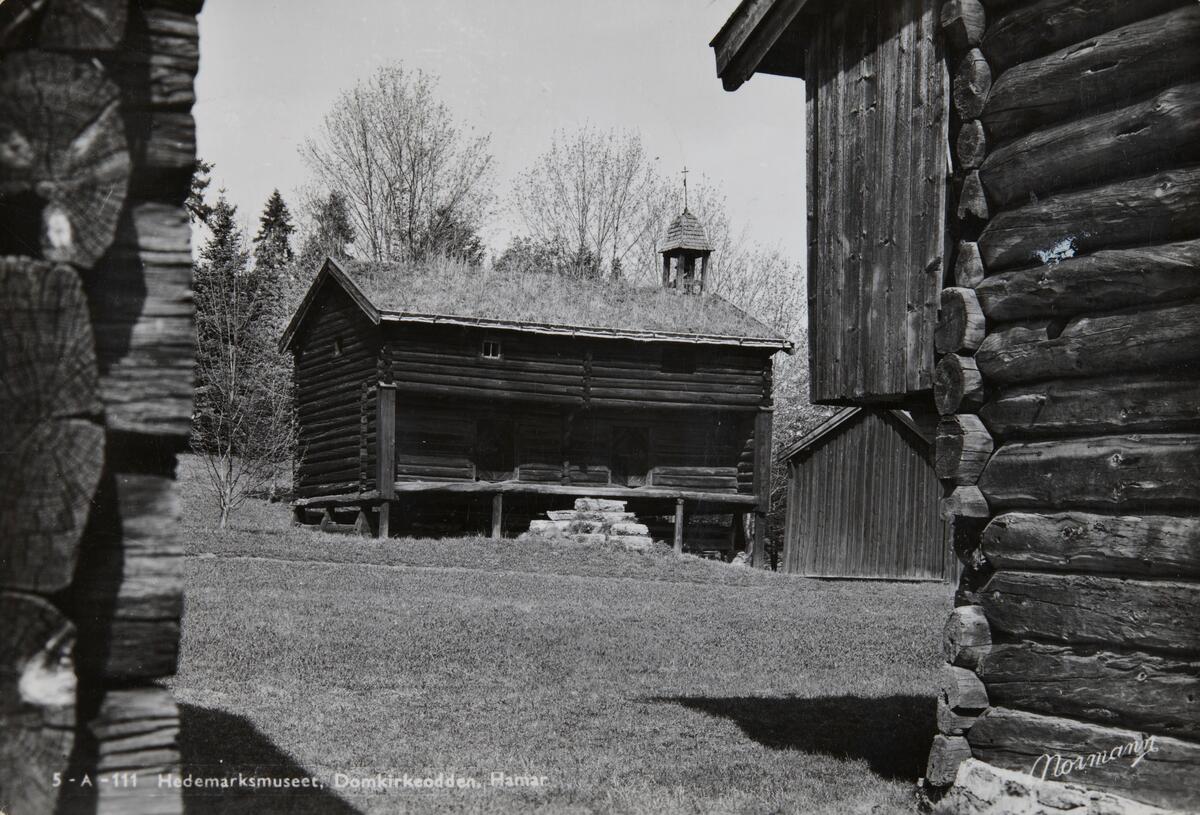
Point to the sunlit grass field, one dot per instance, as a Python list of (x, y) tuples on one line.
[(629, 682)]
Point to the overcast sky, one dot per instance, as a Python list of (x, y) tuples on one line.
[(518, 69)]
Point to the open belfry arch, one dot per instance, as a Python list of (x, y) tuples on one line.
[(97, 148), (1004, 221)]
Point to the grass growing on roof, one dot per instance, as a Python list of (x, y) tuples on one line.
[(452, 289), (634, 683)]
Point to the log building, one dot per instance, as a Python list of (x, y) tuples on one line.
[(97, 148), (862, 500), (490, 397), (1004, 224)]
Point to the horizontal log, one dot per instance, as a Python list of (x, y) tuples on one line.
[(1116, 473), (145, 338), (490, 376), (136, 731), (962, 689), (1140, 211), (968, 265), (1127, 689), (1167, 774), (945, 756), (966, 636), (950, 722), (971, 145), (163, 148), (963, 23), (707, 483), (1156, 337), (128, 610), (160, 59), (972, 201), (1106, 280), (964, 502), (65, 145), (961, 325), (962, 448), (1115, 612), (1035, 29), (1138, 546), (972, 84), (83, 25), (323, 490), (957, 385), (601, 391), (1140, 138), (1117, 67), (37, 700), (1122, 403), (53, 445), (582, 489)]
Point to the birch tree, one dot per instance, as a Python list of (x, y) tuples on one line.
[(414, 181), (594, 196)]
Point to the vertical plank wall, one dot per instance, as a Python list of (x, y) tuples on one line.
[(1071, 433), (863, 503), (877, 187)]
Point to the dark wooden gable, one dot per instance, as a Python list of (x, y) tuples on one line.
[(877, 169)]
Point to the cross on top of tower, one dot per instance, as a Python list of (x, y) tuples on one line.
[(684, 174)]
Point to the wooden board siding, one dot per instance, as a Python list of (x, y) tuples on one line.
[(447, 361), (863, 503), (336, 356), (877, 179)]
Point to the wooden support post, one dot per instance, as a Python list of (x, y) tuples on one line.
[(498, 516), (385, 451), (385, 519), (763, 423), (679, 526)]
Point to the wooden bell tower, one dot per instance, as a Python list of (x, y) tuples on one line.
[(685, 251)]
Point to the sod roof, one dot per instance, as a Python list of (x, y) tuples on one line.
[(458, 294)]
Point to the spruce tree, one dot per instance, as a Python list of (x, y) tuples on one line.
[(332, 233), (272, 244), (243, 429)]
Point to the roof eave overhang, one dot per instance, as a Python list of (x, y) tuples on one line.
[(761, 36), (551, 329)]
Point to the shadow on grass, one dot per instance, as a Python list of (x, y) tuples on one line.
[(891, 733), (216, 744)]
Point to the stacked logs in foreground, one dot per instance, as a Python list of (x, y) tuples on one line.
[(1069, 386), (96, 365)]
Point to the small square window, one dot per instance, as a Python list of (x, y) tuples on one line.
[(490, 349)]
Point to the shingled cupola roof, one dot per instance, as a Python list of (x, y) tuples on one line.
[(687, 233)]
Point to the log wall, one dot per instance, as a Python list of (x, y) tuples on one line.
[(337, 365), (96, 358), (1070, 442), (447, 361), (439, 440)]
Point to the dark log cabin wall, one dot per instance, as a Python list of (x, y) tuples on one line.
[(96, 360), (336, 372), (560, 406), (1069, 387), (877, 121)]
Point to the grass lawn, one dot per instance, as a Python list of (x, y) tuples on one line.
[(631, 682)]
